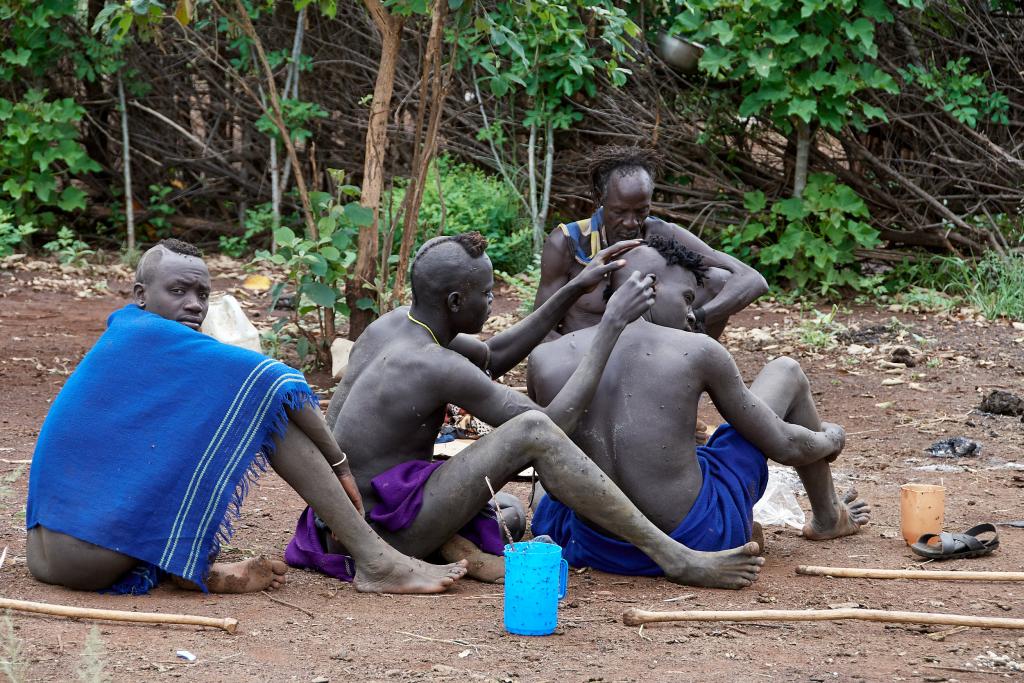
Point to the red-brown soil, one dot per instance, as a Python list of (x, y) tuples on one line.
[(48, 321)]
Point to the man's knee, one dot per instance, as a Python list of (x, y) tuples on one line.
[(534, 429), (790, 369)]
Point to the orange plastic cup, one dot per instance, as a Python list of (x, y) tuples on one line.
[(921, 510)]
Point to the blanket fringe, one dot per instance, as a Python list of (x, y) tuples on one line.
[(294, 399)]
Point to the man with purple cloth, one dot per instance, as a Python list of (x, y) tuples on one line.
[(412, 362)]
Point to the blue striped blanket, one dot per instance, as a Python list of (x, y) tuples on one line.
[(149, 448)]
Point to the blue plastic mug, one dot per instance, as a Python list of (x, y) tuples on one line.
[(535, 580)]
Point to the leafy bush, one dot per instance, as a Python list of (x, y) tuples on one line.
[(12, 235), (38, 149), (961, 93), (68, 248), (473, 200), (807, 240), (258, 221)]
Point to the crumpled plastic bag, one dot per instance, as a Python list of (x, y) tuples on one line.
[(779, 506)]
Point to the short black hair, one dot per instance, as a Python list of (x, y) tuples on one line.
[(473, 243), (149, 260), (676, 254), (608, 160)]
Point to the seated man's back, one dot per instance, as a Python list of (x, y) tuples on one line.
[(639, 429)]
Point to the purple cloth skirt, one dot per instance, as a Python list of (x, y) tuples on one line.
[(400, 490)]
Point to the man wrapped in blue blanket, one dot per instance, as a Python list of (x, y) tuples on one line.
[(639, 429), (148, 450)]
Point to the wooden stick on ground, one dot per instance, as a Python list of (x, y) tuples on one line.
[(228, 624), (937, 575), (635, 617)]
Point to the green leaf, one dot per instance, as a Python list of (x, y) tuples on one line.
[(754, 201), (813, 45), (873, 112), (71, 199), (330, 253), (805, 109), (320, 294), (359, 215), (781, 32), (762, 62), (792, 208), (716, 60), (317, 264), (366, 304), (862, 30), (284, 237)]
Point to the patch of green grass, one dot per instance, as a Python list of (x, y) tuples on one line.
[(820, 330)]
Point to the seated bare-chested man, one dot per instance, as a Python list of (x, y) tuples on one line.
[(141, 456), (639, 429), (622, 181), (408, 365)]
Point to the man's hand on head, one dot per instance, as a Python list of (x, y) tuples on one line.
[(604, 262), (633, 298)]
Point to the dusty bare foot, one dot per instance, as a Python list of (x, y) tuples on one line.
[(482, 566), (736, 568), (850, 515), (393, 572), (248, 576)]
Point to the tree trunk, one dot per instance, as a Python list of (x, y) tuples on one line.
[(803, 150), (129, 202), (361, 286), (424, 152)]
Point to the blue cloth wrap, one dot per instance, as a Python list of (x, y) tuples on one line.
[(153, 441), (735, 476)]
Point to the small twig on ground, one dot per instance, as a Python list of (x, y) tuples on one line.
[(288, 604), (16, 462), (939, 636), (963, 670), (685, 596), (461, 643), (497, 512), (640, 632), (3, 556)]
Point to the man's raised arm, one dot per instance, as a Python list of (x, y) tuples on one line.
[(514, 344), (739, 290), (496, 404)]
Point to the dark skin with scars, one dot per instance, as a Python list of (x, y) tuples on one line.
[(731, 284), (392, 400), (639, 428), (178, 289)]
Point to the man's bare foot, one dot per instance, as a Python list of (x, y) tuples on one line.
[(393, 572), (850, 515), (736, 568), (481, 566), (248, 576)]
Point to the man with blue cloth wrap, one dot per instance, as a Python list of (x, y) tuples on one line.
[(146, 455)]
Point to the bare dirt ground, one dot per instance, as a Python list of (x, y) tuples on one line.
[(48, 321)]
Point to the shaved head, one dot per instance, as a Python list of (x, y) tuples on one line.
[(442, 265), (150, 261)]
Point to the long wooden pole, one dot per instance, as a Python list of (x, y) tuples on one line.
[(865, 573), (227, 623), (636, 617)]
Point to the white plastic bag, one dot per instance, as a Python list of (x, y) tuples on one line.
[(226, 322), (778, 506)]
